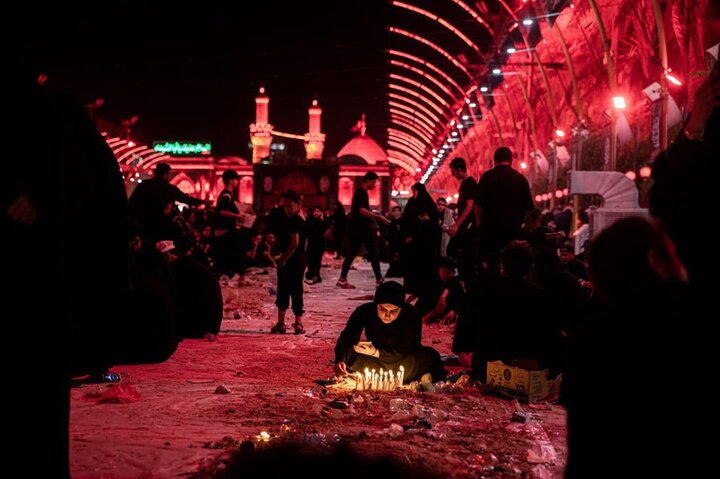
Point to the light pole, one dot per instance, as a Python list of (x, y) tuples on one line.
[(662, 51)]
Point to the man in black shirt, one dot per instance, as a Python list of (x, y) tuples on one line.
[(361, 232), (228, 243), (149, 200), (291, 265), (502, 202), (463, 243)]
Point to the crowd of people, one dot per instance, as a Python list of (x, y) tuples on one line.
[(498, 272)]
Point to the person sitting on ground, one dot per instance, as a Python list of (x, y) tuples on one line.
[(509, 318), (442, 302), (394, 331), (198, 298)]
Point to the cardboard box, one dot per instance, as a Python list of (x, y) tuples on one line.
[(521, 384)]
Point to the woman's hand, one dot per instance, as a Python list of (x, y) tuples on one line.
[(340, 369), (367, 349)]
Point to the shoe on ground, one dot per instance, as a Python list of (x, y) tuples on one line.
[(299, 328), (278, 329)]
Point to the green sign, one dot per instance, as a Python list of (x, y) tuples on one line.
[(177, 148)]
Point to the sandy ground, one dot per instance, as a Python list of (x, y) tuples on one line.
[(181, 428)]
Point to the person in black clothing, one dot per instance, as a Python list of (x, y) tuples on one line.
[(421, 231), (502, 202), (291, 265), (463, 235), (361, 231), (198, 297), (228, 242), (539, 236), (508, 318), (649, 333), (316, 227), (33, 211), (684, 188), (396, 248), (339, 223), (442, 302), (394, 329), (149, 200)]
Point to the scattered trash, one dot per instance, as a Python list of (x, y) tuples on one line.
[(339, 403), (541, 452), (222, 390), (432, 414), (541, 472), (333, 414), (314, 439), (317, 391), (123, 394), (398, 404), (227, 442), (395, 430), (419, 423), (519, 416)]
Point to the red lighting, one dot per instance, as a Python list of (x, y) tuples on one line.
[(630, 175), (417, 95), (560, 133), (417, 105), (619, 102), (523, 165), (430, 66), (418, 85), (673, 79), (412, 113), (423, 74), (645, 172), (565, 191), (131, 144), (441, 21), (399, 121), (558, 194), (435, 47), (538, 198)]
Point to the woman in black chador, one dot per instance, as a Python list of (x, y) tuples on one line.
[(394, 329)]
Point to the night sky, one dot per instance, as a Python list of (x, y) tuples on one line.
[(193, 73)]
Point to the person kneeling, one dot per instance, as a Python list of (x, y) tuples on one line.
[(394, 330)]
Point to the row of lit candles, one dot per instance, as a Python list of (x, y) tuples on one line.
[(382, 381)]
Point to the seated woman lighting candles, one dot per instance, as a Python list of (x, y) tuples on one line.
[(393, 329)]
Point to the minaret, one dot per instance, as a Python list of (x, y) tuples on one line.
[(261, 130), (314, 139)]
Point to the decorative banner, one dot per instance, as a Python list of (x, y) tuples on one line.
[(655, 113), (176, 148), (606, 152)]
